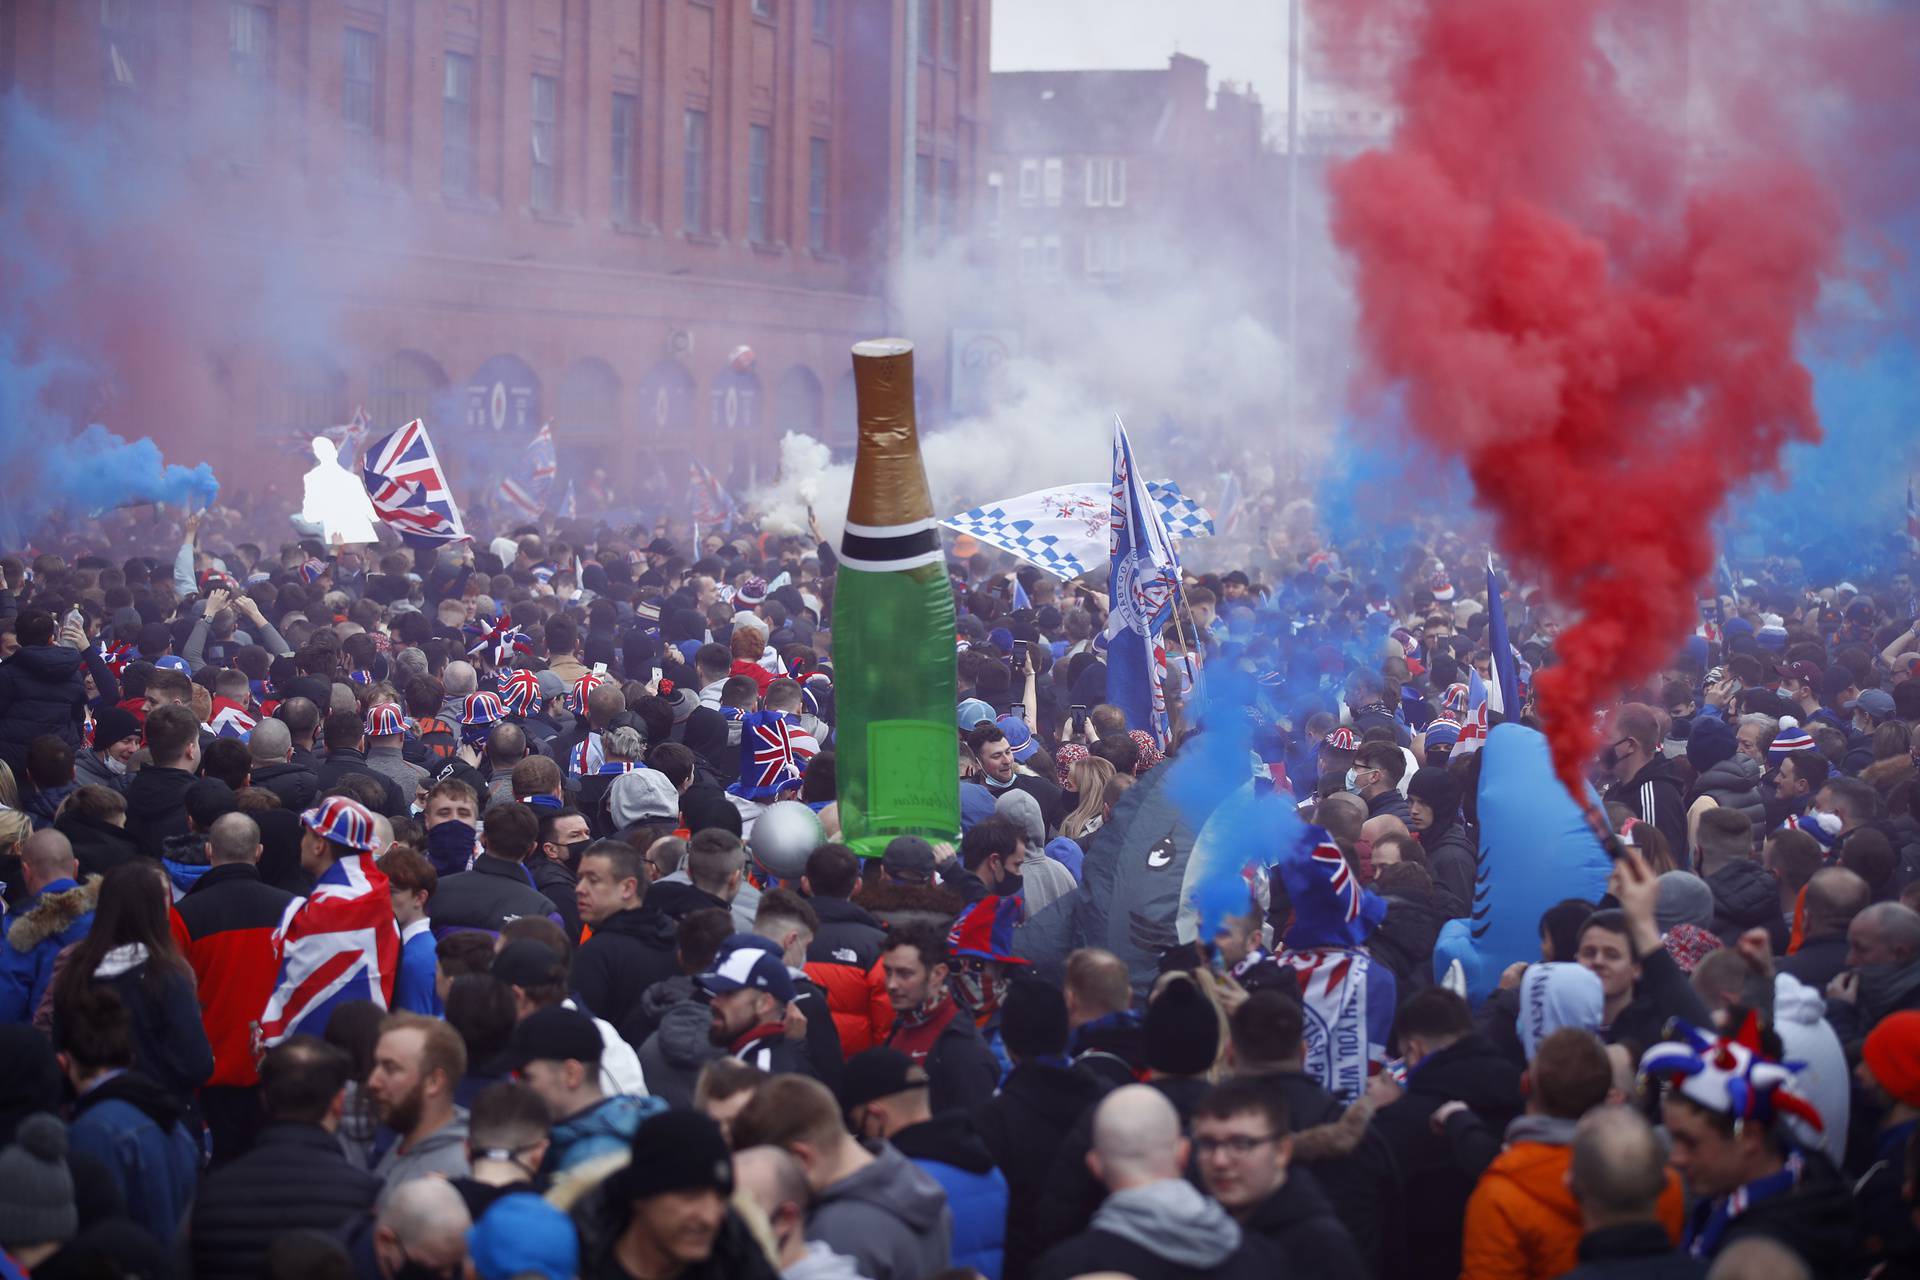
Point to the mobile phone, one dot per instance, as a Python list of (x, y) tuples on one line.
[(1079, 713), (1019, 655)]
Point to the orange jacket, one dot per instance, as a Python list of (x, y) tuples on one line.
[(1522, 1221), (862, 1014)]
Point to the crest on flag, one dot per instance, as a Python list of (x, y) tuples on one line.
[(409, 490)]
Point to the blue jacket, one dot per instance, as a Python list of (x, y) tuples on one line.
[(53, 919), (604, 1129), (136, 1129), (948, 1150), (413, 990)]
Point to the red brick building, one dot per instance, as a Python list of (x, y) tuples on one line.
[(518, 210)]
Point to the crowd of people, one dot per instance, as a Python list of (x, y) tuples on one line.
[(374, 912)]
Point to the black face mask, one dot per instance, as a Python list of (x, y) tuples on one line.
[(575, 850), (1007, 885)]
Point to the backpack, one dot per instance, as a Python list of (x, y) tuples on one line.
[(434, 740)]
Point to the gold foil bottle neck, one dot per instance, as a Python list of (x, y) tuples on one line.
[(889, 479)]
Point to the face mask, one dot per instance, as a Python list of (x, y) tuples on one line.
[(116, 767), (1008, 885), (1353, 780), (450, 846), (575, 850)]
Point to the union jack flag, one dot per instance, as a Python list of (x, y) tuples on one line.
[(231, 720), (409, 490), (335, 945), (116, 656), (774, 752), (568, 508), (527, 489), (712, 504), (1346, 890), (352, 437)]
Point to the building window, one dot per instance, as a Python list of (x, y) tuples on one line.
[(1054, 174), (759, 157), (996, 201), (1106, 182), (1029, 182), (546, 144), (817, 174), (626, 113), (1105, 256), (1029, 259), (250, 45), (763, 8), (929, 15), (456, 125), (357, 94), (823, 19), (1050, 260), (123, 44), (950, 32), (693, 194), (949, 197), (923, 197)]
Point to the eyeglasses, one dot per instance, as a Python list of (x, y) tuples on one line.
[(1239, 1144)]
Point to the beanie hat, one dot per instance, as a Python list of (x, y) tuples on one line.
[(1683, 898), (675, 1151), (1556, 995), (1033, 1019), (1710, 743), (1182, 1030), (1436, 788), (1823, 827), (1442, 731), (113, 724), (1790, 739), (38, 1206), (1892, 1053)]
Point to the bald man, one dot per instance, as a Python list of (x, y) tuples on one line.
[(56, 913), (1153, 1223), (776, 1182), (1617, 1174), (421, 1230), (1834, 896)]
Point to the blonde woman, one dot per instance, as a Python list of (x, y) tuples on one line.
[(1088, 779)]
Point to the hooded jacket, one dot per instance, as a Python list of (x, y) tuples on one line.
[(890, 1218), (1522, 1220), (157, 807), (224, 927), (46, 924), (1884, 989), (605, 1128), (1734, 783), (1023, 1127), (1470, 1070), (295, 784), (136, 1128), (40, 693), (98, 846), (628, 952), (947, 1149), (1163, 1229), (672, 1056), (840, 961), (1404, 942), (1447, 843), (89, 769), (444, 1151), (170, 1046), (1746, 896), (1800, 1020), (1300, 1225)]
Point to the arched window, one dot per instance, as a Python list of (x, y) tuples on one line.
[(405, 387), (796, 402)]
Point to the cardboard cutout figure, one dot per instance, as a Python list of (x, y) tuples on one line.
[(334, 499)]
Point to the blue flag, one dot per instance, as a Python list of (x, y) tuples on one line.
[(1141, 582), (1506, 677)]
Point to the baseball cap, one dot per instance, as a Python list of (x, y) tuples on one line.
[(972, 712), (1019, 737), (1877, 703), (749, 960), (878, 1073), (528, 962), (522, 1235), (556, 1034), (1805, 672), (908, 858)]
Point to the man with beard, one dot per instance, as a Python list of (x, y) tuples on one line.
[(751, 990), (416, 1064), (929, 1026)]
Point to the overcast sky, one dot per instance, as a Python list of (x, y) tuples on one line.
[(1241, 40)]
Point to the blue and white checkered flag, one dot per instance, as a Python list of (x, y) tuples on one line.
[(1063, 531)]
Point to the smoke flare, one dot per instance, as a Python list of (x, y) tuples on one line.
[(1602, 333)]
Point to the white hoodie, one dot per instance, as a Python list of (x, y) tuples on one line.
[(1800, 1017)]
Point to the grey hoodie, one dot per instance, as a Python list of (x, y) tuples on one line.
[(890, 1218), (822, 1263), (1171, 1219), (444, 1151), (672, 1056)]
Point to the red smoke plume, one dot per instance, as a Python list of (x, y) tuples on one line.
[(1603, 333)]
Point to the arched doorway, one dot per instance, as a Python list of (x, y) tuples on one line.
[(663, 437), (843, 423), (405, 387), (796, 402), (734, 422), (503, 397)]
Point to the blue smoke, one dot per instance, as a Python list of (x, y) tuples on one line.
[(100, 471)]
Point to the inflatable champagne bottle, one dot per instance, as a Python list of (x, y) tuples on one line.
[(893, 645)]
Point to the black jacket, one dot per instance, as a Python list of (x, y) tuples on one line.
[(557, 883), (1023, 1127), (1817, 962), (1404, 942), (1818, 1220), (1662, 993), (822, 1044), (677, 901), (342, 762), (847, 934), (1102, 1252), (492, 892), (1640, 1252), (170, 1046), (157, 807), (1354, 1168), (40, 693), (296, 785), (1746, 896), (1300, 1224), (1452, 858), (1391, 803), (1652, 796), (1473, 1071), (295, 1178), (677, 1048), (99, 846), (1073, 1196), (628, 953)]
